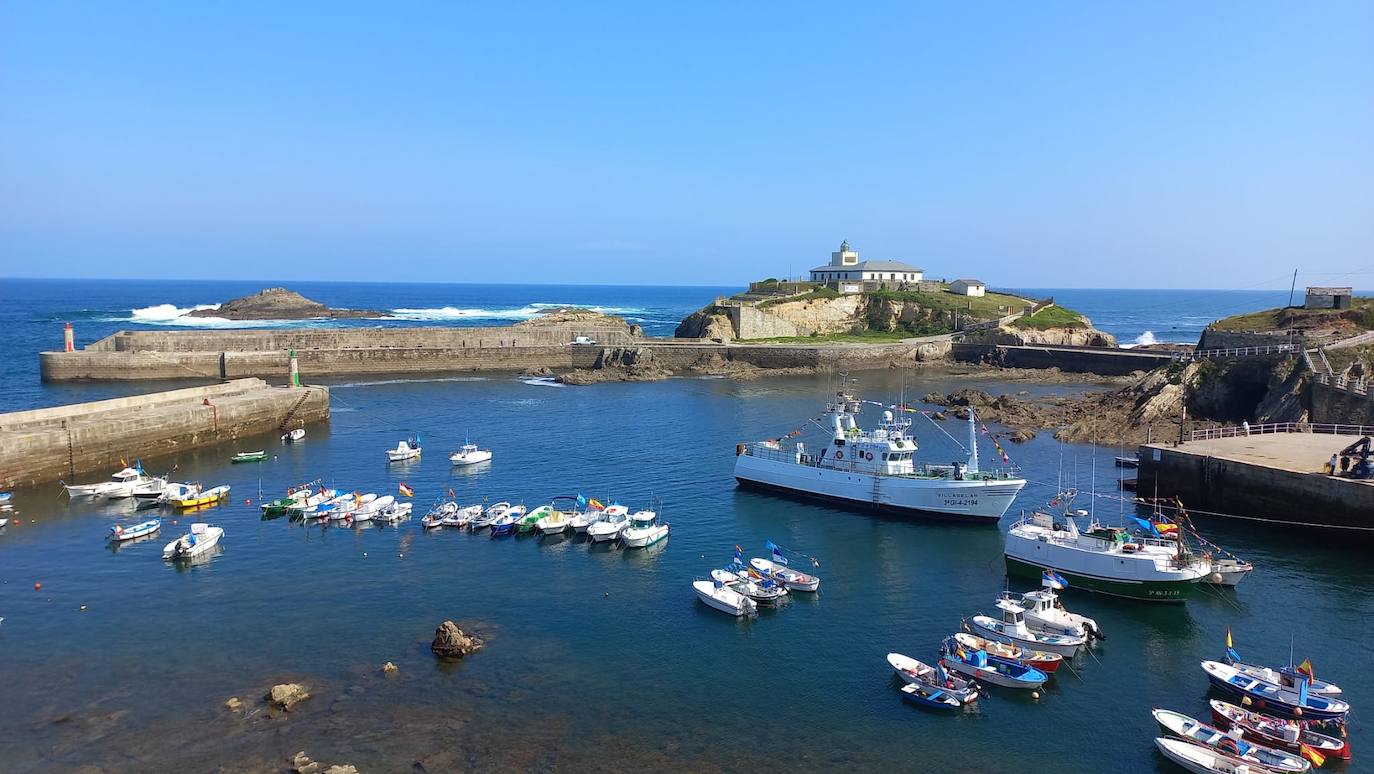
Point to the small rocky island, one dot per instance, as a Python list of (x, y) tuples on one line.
[(279, 304)]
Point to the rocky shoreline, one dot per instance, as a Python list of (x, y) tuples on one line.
[(279, 304)]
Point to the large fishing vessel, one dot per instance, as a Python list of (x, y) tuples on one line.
[(1108, 560), (876, 469)]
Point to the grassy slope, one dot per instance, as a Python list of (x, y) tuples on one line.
[(986, 307), (1290, 317), (1051, 317)]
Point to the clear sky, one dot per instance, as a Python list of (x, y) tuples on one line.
[(1055, 144)]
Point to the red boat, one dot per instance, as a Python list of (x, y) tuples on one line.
[(1275, 732), (1045, 662)]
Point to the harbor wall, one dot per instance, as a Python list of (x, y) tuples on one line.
[(1254, 491), (362, 351), (1213, 339), (69, 442), (1105, 361)]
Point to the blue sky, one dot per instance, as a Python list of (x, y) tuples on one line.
[(1029, 144)]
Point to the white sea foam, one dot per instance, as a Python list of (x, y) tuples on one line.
[(161, 313), (411, 381), (517, 313), (542, 381), (1148, 337)]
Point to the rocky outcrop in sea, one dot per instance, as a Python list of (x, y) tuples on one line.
[(279, 304)]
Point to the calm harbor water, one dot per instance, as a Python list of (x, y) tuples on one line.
[(596, 659)]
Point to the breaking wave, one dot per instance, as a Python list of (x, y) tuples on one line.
[(166, 312), (516, 313), (1148, 337)]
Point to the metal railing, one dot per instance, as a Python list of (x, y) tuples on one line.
[(1356, 386), (1230, 352), (1234, 431)]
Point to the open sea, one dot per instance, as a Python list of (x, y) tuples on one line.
[(597, 659)]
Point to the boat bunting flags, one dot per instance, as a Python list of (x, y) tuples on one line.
[(405, 490), (1230, 650), (1318, 760), (1053, 580), (1305, 668), (1006, 460), (777, 552)]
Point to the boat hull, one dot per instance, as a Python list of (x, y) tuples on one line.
[(1167, 591), (971, 502), (1068, 651), (632, 539)]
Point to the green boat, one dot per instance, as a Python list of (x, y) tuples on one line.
[(527, 522), (252, 456)]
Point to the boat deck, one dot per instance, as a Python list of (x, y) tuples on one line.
[(1294, 452)]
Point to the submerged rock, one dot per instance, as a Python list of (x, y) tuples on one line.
[(452, 642), (390, 669), (233, 704), (287, 695)]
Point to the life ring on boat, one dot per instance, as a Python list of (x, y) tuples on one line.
[(868, 455), (839, 455)]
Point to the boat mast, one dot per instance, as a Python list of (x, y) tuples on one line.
[(972, 442)]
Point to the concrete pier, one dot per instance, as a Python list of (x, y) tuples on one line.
[(1106, 361), (68, 442), (230, 354), (1269, 478)]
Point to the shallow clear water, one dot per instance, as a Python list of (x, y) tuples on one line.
[(597, 657)]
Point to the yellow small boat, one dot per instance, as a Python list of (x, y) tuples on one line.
[(194, 496)]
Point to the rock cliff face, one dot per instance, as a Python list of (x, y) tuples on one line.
[(278, 304), (705, 324), (1010, 335)]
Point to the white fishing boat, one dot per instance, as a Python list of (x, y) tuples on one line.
[(120, 533), (465, 514), (608, 525), (643, 529), (554, 522), (792, 579), (1204, 760), (199, 540), (1012, 628), (582, 520), (437, 514), (324, 510), (762, 590), (368, 508), (148, 492), (875, 469), (393, 513), (724, 598), (294, 435), (1228, 571), (188, 496), (1108, 560), (408, 449), (3, 522), (303, 504), (1046, 614), (469, 454), (349, 508), (492, 513), (120, 485)]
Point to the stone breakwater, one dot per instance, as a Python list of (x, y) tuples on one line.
[(66, 442), (321, 353)]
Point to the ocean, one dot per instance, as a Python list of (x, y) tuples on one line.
[(596, 659)]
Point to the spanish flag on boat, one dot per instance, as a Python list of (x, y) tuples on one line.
[(595, 505), (405, 490), (1318, 760), (1306, 668)]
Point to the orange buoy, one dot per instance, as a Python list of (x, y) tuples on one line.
[(37, 586)]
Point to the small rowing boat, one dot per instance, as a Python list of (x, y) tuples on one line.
[(196, 497), (761, 590), (990, 669), (1278, 733), (1044, 661), (528, 522), (778, 569), (294, 435), (1179, 725), (252, 456), (914, 672), (120, 533), (408, 449)]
